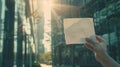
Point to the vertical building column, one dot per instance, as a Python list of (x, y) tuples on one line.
[(2, 14), (8, 44), (19, 58), (0, 31), (27, 14)]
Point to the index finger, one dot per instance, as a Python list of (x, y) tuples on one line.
[(91, 41), (99, 39)]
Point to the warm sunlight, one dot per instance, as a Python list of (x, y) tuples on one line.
[(47, 5)]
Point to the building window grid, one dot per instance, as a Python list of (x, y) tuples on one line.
[(118, 4), (113, 38), (101, 18), (2, 2)]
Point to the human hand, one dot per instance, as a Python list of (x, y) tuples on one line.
[(99, 47)]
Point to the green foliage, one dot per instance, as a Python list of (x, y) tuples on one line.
[(45, 57), (36, 65)]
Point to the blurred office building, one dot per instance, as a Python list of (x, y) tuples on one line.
[(18, 32), (105, 14)]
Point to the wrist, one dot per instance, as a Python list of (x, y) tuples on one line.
[(101, 57), (106, 60)]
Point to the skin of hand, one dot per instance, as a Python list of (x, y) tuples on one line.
[(99, 47)]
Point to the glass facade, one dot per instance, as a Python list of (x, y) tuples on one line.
[(107, 23), (2, 9), (22, 30), (106, 19), (17, 43), (69, 55)]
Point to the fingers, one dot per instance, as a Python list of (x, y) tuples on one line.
[(88, 46), (91, 41), (96, 46), (100, 39)]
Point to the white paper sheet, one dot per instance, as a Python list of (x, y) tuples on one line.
[(77, 29)]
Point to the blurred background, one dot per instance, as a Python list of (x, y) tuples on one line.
[(32, 32)]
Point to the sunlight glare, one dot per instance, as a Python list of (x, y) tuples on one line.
[(47, 5)]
